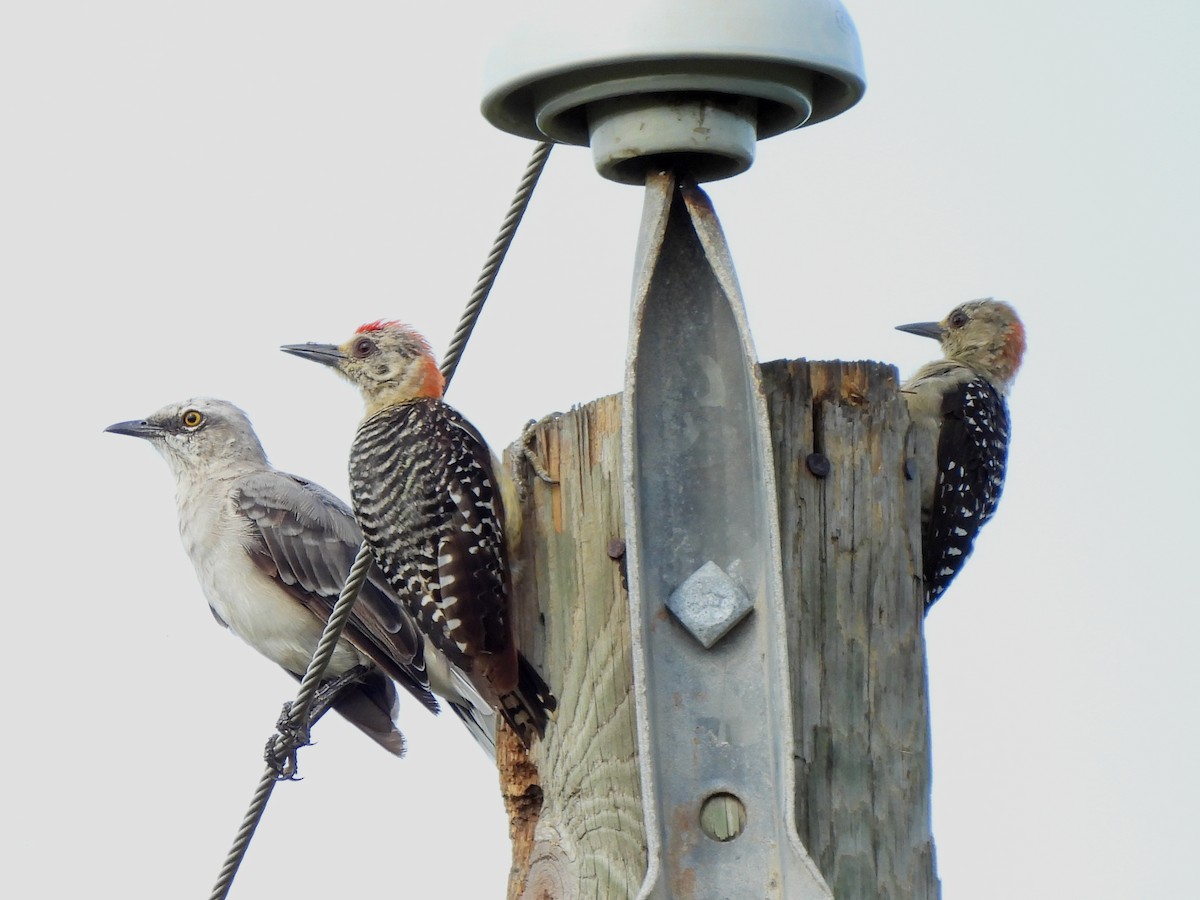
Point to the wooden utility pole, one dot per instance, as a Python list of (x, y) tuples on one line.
[(673, 770), (849, 526)]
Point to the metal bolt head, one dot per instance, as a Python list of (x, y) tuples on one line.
[(709, 603), (818, 464)]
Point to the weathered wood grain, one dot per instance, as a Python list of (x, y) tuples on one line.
[(851, 551), (589, 839), (851, 555)]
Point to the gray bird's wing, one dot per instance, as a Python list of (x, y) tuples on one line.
[(308, 540)]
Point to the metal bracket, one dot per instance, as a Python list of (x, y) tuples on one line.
[(714, 722)]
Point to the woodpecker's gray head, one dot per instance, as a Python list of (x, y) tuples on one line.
[(199, 437), (389, 362), (984, 335)]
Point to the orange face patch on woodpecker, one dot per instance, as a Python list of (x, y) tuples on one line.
[(391, 362), (987, 336), (1014, 346)]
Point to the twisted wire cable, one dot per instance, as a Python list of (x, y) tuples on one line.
[(241, 841), (285, 745), (491, 267), (297, 717)]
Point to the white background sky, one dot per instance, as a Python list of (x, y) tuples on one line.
[(184, 187)]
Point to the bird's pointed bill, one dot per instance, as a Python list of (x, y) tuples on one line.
[(327, 354), (135, 428), (923, 329)]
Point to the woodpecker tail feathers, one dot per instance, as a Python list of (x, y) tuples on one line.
[(530, 706), (481, 725)]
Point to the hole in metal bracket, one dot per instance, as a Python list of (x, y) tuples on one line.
[(722, 816)]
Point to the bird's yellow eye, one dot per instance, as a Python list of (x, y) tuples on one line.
[(192, 418)]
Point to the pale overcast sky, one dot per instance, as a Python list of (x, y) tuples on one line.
[(185, 187)]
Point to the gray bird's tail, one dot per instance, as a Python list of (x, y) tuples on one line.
[(371, 705)]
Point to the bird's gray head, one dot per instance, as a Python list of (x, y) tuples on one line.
[(389, 362), (198, 436), (985, 335)]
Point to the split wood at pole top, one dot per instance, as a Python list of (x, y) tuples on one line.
[(850, 534)]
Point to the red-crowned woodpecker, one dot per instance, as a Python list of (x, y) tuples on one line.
[(272, 552), (424, 490), (961, 402)]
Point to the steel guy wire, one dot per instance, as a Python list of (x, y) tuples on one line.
[(283, 746)]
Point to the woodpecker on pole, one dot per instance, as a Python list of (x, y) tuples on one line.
[(424, 490), (960, 402), (272, 552)]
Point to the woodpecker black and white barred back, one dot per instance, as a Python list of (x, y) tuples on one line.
[(424, 490), (961, 402)]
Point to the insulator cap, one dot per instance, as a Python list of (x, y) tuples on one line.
[(687, 84)]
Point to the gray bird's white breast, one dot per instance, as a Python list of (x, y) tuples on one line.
[(252, 604)]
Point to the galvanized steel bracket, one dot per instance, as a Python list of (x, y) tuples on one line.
[(714, 723)]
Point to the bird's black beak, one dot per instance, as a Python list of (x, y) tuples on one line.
[(923, 329), (327, 354), (138, 428)]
